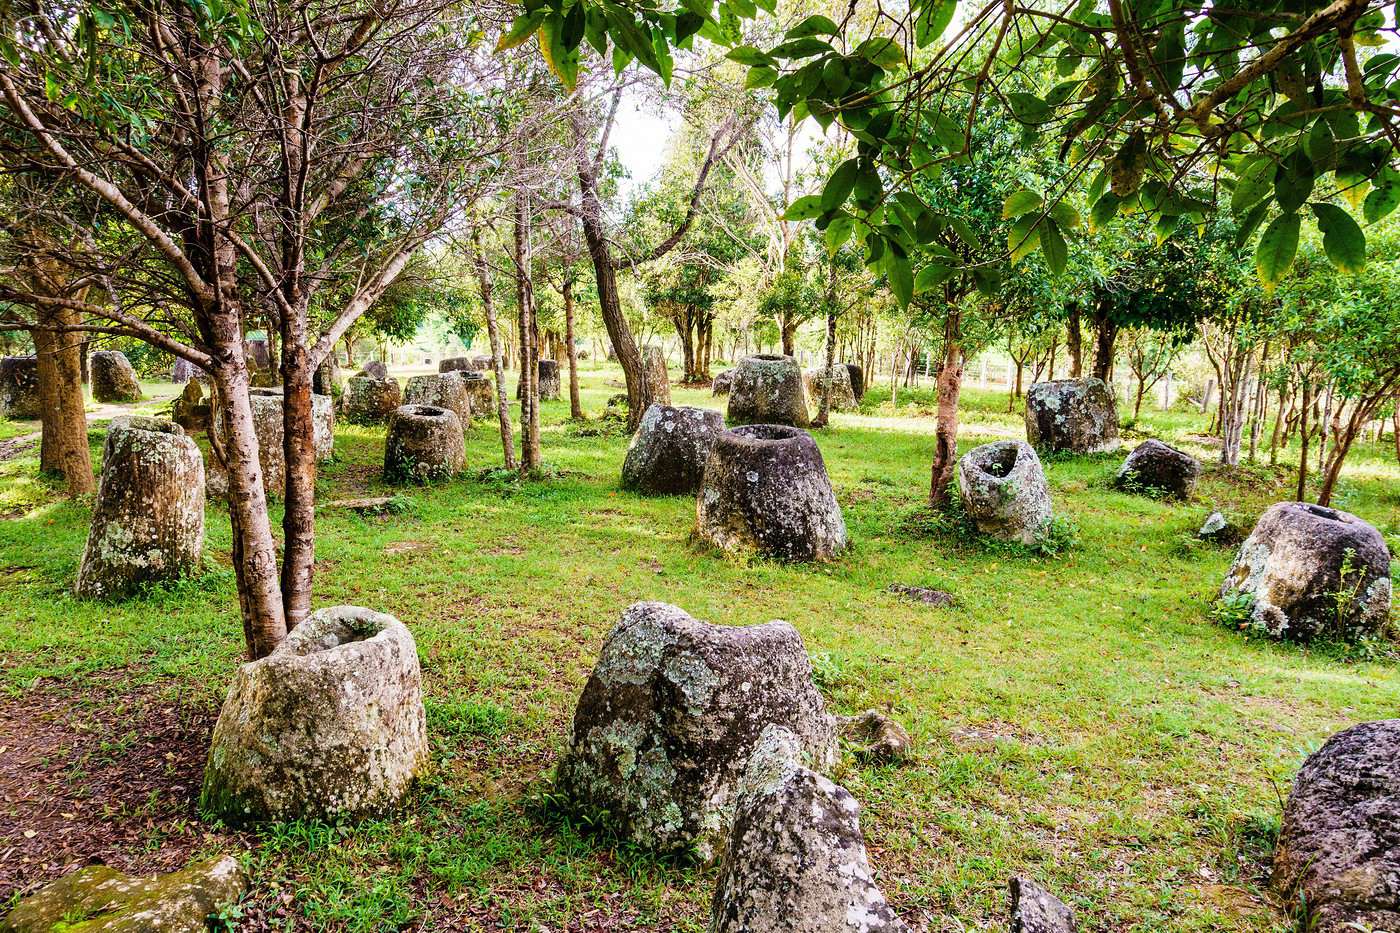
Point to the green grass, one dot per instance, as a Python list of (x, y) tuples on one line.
[(1079, 718)]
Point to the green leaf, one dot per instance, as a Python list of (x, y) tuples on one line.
[(1276, 249), (1253, 185), (813, 26), (1342, 239), (839, 186), (881, 51), (1028, 108), (523, 28), (1104, 210), (931, 276), (804, 208), (933, 21), (1052, 243), (1251, 223), (1169, 55), (901, 278), (1384, 197), (748, 55), (1293, 182), (1020, 202), (1065, 215), (1024, 237), (760, 76), (838, 232), (1322, 146), (801, 48)]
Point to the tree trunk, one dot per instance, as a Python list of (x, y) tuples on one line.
[(575, 407), (789, 333), (493, 332), (299, 497), (64, 446), (827, 383), (1074, 343), (1105, 335), (1303, 440), (950, 374), (529, 340)]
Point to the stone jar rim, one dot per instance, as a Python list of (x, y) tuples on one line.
[(767, 435)]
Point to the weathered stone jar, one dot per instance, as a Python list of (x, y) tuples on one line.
[(374, 368), (1160, 469), (673, 709), (1075, 415), (370, 400), (654, 364), (768, 390), (148, 520), (481, 392), (113, 378), (19, 388), (443, 390), (765, 491), (424, 444), (548, 381), (842, 393), (668, 453), (269, 424), (796, 860), (330, 724), (1004, 492), (857, 376), (722, 382), (1308, 571), (1338, 855)]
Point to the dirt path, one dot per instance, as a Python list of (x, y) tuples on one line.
[(13, 446)]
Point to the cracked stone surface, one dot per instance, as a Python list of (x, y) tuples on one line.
[(330, 724), (112, 377), (667, 454), (148, 518), (843, 396), (1339, 847), (19, 388), (722, 382), (796, 860), (370, 399), (441, 390), (1161, 468), (1312, 571), (766, 492), (768, 390), (672, 711), (1036, 910), (1075, 415), (1004, 491)]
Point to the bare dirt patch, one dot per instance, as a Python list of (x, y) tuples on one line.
[(100, 777)]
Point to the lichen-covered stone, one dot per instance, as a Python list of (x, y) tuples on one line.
[(182, 371), (191, 409), (1217, 529), (765, 491), (374, 368), (768, 390), (857, 376), (481, 392), (796, 861), (548, 381), (330, 724), (19, 388), (668, 453), (1075, 415), (658, 380), (370, 400), (113, 378), (722, 382), (148, 519), (326, 379), (1338, 856), (424, 444), (1036, 910), (669, 716), (269, 425), (1312, 572), (466, 364), (442, 390), (258, 355), (100, 899), (842, 393), (877, 736), (1004, 491), (1159, 468)]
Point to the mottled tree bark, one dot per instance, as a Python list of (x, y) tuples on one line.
[(493, 331), (575, 406), (950, 376), (63, 448)]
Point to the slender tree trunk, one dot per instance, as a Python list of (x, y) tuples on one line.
[(1105, 335), (789, 333), (299, 498), (1395, 429), (493, 332), (1074, 342), (1284, 400), (575, 407), (950, 375), (64, 445), (1303, 440), (529, 346), (824, 412)]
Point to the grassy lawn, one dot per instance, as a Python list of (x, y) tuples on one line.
[(1079, 718)]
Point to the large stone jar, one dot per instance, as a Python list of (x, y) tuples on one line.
[(1074, 415), (19, 388), (269, 424), (1159, 469), (548, 380), (424, 444), (370, 400), (842, 393), (1004, 492), (330, 724), (670, 715), (765, 491), (1307, 571), (481, 392), (768, 390), (113, 378), (442, 390), (148, 520), (668, 453), (857, 376)]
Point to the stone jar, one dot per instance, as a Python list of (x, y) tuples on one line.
[(765, 491), (269, 424), (673, 709), (548, 380), (424, 444), (1161, 469), (842, 393), (857, 376), (1312, 572), (1004, 491), (329, 725), (768, 390), (1074, 415), (370, 400), (442, 390), (113, 378), (481, 392), (667, 454), (148, 520), (722, 382), (19, 388)]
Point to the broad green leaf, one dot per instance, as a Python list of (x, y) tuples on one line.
[(881, 51), (1276, 249), (817, 25), (838, 232), (1052, 243), (1322, 147), (839, 186), (1104, 210), (1024, 237), (760, 76), (1065, 215), (748, 55), (901, 278), (804, 208), (1251, 223), (933, 20), (1384, 197), (931, 276), (1253, 184), (1342, 239), (1028, 108), (1020, 202), (523, 28), (1294, 180), (801, 48)]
